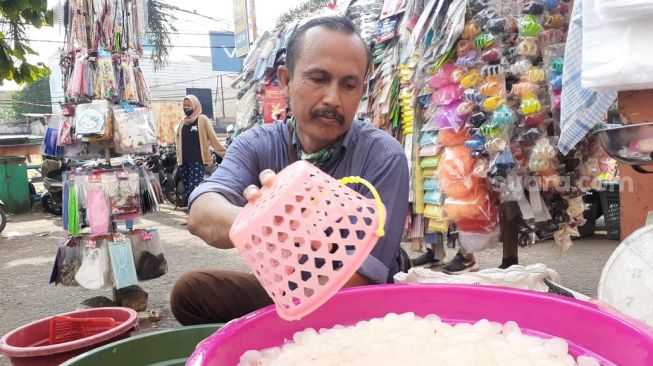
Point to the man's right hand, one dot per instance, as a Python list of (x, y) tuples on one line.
[(211, 215)]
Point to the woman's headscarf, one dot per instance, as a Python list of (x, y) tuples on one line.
[(197, 109)]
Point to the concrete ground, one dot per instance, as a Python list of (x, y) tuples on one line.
[(29, 243)]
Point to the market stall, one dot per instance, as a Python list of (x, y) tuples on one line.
[(473, 92), (103, 131)]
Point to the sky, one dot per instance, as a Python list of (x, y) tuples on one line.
[(267, 11)]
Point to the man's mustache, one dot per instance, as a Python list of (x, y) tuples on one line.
[(328, 113)]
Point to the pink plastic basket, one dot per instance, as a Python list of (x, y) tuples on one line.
[(605, 334), (306, 235)]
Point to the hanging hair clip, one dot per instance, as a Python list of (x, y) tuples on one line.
[(557, 64), (469, 60), (550, 4), (534, 120), (490, 130), (492, 103), (478, 5), (529, 26), (530, 105), (457, 74), (535, 75), (503, 116), (478, 119), (490, 88), (525, 88), (491, 55), (471, 30), (486, 14), (463, 47), (491, 70), (556, 82), (466, 108), (496, 26), (520, 67), (473, 95), (533, 7), (471, 79), (554, 21), (528, 47), (484, 40)]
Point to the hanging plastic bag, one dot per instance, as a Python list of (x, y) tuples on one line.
[(149, 255), (428, 138), (433, 197), (65, 136), (616, 54), (481, 224), (438, 226), (429, 162), (435, 212), (95, 266), (431, 184), (451, 137), (50, 141), (430, 150), (442, 77), (122, 262), (448, 116), (73, 211), (90, 119), (478, 242), (98, 211), (447, 95), (476, 204), (69, 259), (134, 132)]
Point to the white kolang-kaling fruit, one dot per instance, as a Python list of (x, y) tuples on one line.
[(409, 340)]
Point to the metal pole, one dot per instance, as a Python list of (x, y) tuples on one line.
[(222, 95), (217, 85)]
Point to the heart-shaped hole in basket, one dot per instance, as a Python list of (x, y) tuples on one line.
[(304, 229)]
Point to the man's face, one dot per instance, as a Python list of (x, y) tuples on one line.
[(327, 84)]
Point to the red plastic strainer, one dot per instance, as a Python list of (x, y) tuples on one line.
[(306, 235)]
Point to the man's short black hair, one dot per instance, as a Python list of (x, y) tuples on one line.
[(335, 23)]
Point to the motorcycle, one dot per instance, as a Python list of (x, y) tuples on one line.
[(173, 187), (52, 173), (3, 216)]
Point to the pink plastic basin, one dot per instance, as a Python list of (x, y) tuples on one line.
[(28, 345), (602, 333)]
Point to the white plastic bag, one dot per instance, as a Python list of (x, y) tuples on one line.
[(616, 54), (528, 278), (624, 9), (94, 271)]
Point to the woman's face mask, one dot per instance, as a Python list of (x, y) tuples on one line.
[(188, 111)]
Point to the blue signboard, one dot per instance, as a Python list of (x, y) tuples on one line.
[(223, 52)]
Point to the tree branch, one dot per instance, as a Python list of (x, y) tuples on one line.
[(160, 26)]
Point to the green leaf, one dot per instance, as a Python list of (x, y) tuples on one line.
[(18, 52)]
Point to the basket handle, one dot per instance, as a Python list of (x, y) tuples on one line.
[(350, 180)]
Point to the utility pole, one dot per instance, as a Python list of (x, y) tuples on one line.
[(222, 96), (252, 16)]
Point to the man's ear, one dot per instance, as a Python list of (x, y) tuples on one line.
[(284, 77)]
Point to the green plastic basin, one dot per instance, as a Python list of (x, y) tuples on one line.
[(168, 347)]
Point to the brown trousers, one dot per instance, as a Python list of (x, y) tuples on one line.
[(216, 296)]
